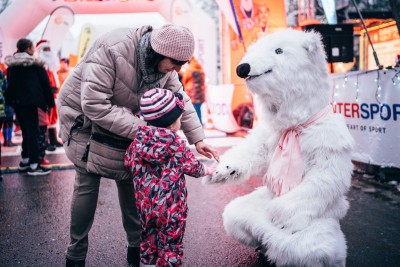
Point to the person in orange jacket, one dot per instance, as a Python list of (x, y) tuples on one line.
[(193, 80), (64, 71)]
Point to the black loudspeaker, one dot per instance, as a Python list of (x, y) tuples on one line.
[(338, 41)]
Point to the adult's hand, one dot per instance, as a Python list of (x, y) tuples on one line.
[(207, 150)]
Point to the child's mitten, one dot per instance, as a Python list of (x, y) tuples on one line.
[(209, 170)]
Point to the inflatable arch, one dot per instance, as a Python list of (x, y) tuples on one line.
[(22, 16)]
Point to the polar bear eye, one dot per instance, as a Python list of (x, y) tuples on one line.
[(279, 51)]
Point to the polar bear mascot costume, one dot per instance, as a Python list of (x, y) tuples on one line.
[(300, 147)]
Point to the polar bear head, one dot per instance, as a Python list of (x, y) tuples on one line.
[(287, 71)]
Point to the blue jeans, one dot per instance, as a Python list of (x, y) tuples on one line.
[(197, 107)]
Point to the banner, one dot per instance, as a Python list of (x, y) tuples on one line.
[(329, 7), (84, 41), (370, 104), (256, 18), (58, 25), (226, 9)]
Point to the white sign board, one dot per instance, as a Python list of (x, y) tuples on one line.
[(219, 101), (370, 104)]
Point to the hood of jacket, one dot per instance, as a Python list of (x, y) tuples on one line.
[(22, 59), (154, 145)]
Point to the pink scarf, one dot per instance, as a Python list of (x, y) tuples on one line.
[(286, 168)]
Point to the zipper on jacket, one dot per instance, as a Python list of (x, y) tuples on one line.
[(78, 123)]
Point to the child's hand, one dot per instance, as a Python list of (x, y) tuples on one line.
[(209, 170)]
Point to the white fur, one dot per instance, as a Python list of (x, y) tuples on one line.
[(51, 60), (301, 227)]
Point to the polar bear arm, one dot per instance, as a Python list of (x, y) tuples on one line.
[(249, 157)]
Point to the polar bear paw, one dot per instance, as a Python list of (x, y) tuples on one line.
[(223, 174)]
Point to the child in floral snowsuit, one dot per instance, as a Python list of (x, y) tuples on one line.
[(158, 160)]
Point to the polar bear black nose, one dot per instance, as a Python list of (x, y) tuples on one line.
[(243, 70)]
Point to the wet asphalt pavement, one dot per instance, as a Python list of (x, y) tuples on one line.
[(34, 223)]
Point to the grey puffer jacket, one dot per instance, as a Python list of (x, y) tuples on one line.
[(105, 89)]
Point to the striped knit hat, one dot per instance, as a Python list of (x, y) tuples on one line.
[(161, 107), (173, 41)]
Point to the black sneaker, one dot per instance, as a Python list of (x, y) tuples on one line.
[(51, 148), (75, 263), (39, 171), (23, 167)]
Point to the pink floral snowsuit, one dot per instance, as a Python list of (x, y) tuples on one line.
[(158, 159)]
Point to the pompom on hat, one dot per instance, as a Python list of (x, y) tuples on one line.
[(161, 107), (173, 41), (42, 44)]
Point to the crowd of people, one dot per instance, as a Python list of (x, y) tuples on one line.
[(30, 81)]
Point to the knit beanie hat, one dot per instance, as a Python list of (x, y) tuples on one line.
[(161, 107), (173, 41)]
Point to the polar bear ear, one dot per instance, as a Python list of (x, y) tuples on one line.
[(312, 41)]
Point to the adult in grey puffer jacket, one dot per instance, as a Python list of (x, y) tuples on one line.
[(104, 90)]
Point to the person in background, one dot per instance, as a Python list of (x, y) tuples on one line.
[(397, 61), (42, 139), (52, 65), (8, 126), (3, 86), (17, 128), (193, 81), (3, 68), (104, 90), (10, 119), (8, 114), (64, 71), (180, 76), (28, 88), (2, 108), (158, 159)]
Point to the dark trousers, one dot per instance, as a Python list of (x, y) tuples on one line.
[(83, 208), (29, 122), (42, 142)]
